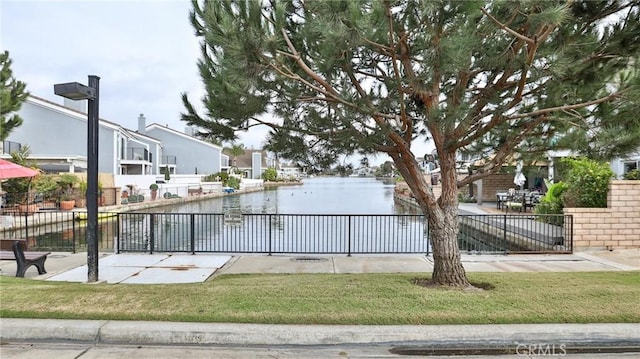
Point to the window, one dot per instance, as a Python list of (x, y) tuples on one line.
[(629, 166)]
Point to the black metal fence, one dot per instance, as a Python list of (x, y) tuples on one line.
[(58, 231), (516, 233), (330, 234), (284, 233), (271, 233)]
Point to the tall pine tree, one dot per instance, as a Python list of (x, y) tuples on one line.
[(12, 95), (488, 77)]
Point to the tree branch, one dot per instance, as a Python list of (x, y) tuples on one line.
[(568, 107)]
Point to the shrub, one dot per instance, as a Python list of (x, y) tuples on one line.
[(587, 183), (153, 187), (465, 198), (270, 174), (632, 175), (551, 203), (44, 183), (233, 182)]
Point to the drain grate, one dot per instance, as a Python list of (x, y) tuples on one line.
[(309, 259)]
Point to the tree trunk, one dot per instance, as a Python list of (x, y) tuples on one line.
[(442, 215), (443, 232)]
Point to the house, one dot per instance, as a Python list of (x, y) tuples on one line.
[(252, 163), (57, 138), (621, 166), (182, 153)]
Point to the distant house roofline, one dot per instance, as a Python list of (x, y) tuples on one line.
[(181, 134), (79, 115)]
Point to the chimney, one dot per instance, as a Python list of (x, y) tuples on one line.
[(188, 130), (142, 123)]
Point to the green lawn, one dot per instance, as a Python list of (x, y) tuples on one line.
[(337, 299)]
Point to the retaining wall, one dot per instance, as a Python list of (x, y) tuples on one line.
[(614, 227)]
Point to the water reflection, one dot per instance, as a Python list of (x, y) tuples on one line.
[(321, 195)]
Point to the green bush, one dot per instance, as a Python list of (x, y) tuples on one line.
[(587, 183), (632, 175), (270, 174), (551, 203), (216, 177), (232, 182)]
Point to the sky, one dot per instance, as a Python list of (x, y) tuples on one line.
[(144, 51)]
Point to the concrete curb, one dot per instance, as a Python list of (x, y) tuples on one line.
[(438, 336)]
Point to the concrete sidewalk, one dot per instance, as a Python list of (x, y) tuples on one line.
[(185, 268)]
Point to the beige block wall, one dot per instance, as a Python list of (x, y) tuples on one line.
[(499, 182), (614, 227)]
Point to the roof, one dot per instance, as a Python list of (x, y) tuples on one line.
[(180, 134), (244, 160)]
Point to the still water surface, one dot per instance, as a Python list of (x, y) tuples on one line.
[(318, 195)]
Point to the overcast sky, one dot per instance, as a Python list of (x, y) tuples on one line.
[(144, 52)]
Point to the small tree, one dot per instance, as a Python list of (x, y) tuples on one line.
[(237, 149), (486, 77), (66, 181), (12, 94)]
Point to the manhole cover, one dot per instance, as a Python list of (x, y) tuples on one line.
[(308, 259)]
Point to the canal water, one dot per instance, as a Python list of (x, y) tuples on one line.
[(317, 195)]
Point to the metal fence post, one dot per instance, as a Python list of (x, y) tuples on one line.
[(270, 231), (193, 233), (504, 234), (349, 236), (73, 237), (117, 236), (425, 220), (152, 233)]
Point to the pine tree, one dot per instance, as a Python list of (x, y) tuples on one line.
[(487, 77), (12, 95)]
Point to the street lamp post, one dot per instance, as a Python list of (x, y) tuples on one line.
[(77, 91)]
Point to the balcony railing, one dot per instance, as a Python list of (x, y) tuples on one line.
[(168, 160), (8, 147), (138, 154)]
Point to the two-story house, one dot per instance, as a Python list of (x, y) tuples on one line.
[(181, 153)]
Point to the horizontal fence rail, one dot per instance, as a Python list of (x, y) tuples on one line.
[(284, 233)]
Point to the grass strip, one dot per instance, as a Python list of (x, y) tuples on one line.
[(363, 299)]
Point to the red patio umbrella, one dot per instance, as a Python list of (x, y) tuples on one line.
[(12, 170)]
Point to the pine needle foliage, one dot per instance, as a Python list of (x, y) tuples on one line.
[(492, 78)]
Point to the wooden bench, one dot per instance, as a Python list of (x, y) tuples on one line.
[(25, 259), (7, 244)]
